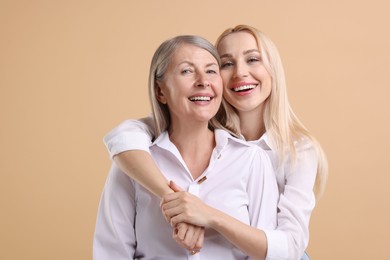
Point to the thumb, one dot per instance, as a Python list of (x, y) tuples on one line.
[(175, 187)]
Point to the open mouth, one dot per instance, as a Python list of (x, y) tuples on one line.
[(244, 88), (200, 98)]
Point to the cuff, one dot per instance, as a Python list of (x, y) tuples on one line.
[(127, 141), (277, 245)]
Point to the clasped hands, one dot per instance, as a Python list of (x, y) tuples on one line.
[(187, 215)]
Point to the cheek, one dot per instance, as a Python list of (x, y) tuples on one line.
[(228, 96), (218, 86), (225, 75), (268, 82), (264, 74)]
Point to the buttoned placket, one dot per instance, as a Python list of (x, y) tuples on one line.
[(194, 189)]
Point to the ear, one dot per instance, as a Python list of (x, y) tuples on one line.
[(159, 93)]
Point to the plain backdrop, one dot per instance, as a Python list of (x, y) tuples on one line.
[(72, 70)]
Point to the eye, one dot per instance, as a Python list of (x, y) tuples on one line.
[(210, 71), (253, 59), (226, 64), (186, 71)]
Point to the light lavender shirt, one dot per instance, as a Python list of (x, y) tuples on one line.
[(239, 181), (295, 182)]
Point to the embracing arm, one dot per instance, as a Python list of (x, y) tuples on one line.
[(297, 201), (248, 239), (140, 166), (184, 207), (263, 196), (128, 144)]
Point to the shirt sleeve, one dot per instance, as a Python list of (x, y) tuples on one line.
[(130, 135), (295, 206), (114, 236), (263, 192)]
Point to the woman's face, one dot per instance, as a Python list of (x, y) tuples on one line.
[(192, 86), (247, 83)]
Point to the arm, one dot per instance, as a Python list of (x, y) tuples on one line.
[(185, 207), (140, 166), (128, 144), (263, 196), (297, 201), (114, 236)]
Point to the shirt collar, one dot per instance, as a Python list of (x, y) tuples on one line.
[(264, 142), (163, 141), (222, 138)]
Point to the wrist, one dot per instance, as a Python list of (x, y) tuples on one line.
[(216, 219), (164, 190)]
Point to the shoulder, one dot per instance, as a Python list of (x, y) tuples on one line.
[(306, 158), (305, 144), (237, 148), (224, 138)]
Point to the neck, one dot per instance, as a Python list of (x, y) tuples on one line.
[(252, 124), (195, 143)]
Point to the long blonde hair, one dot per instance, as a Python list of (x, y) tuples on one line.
[(282, 126)]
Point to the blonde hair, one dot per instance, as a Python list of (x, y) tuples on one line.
[(158, 67), (282, 125)]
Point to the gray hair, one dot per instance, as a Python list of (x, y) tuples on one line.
[(158, 67)]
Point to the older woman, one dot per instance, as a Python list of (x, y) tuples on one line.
[(226, 173)]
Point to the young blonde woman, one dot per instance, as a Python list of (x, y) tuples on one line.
[(255, 97)]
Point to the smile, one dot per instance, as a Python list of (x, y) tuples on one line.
[(244, 88), (200, 98)]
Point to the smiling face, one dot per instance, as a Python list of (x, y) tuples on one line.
[(247, 83), (191, 86)]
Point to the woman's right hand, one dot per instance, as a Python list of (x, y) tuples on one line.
[(189, 236)]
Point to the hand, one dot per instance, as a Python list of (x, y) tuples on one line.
[(189, 236), (181, 206), (186, 235)]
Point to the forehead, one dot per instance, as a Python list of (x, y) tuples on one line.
[(191, 54), (237, 41)]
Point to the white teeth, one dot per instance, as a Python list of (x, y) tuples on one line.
[(200, 98), (244, 87)]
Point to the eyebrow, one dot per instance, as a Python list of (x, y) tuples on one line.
[(252, 50), (227, 55), (192, 64)]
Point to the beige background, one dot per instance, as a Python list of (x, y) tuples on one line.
[(72, 70)]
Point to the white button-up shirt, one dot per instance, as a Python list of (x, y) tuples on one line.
[(238, 181), (295, 183)]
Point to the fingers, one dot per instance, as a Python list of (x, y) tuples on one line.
[(181, 230), (176, 220), (170, 210), (189, 236), (199, 242), (171, 197), (170, 204), (175, 187), (174, 205)]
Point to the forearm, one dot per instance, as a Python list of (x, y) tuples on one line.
[(250, 240), (181, 207), (140, 166)]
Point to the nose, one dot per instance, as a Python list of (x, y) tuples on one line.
[(202, 81), (204, 84), (240, 70)]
